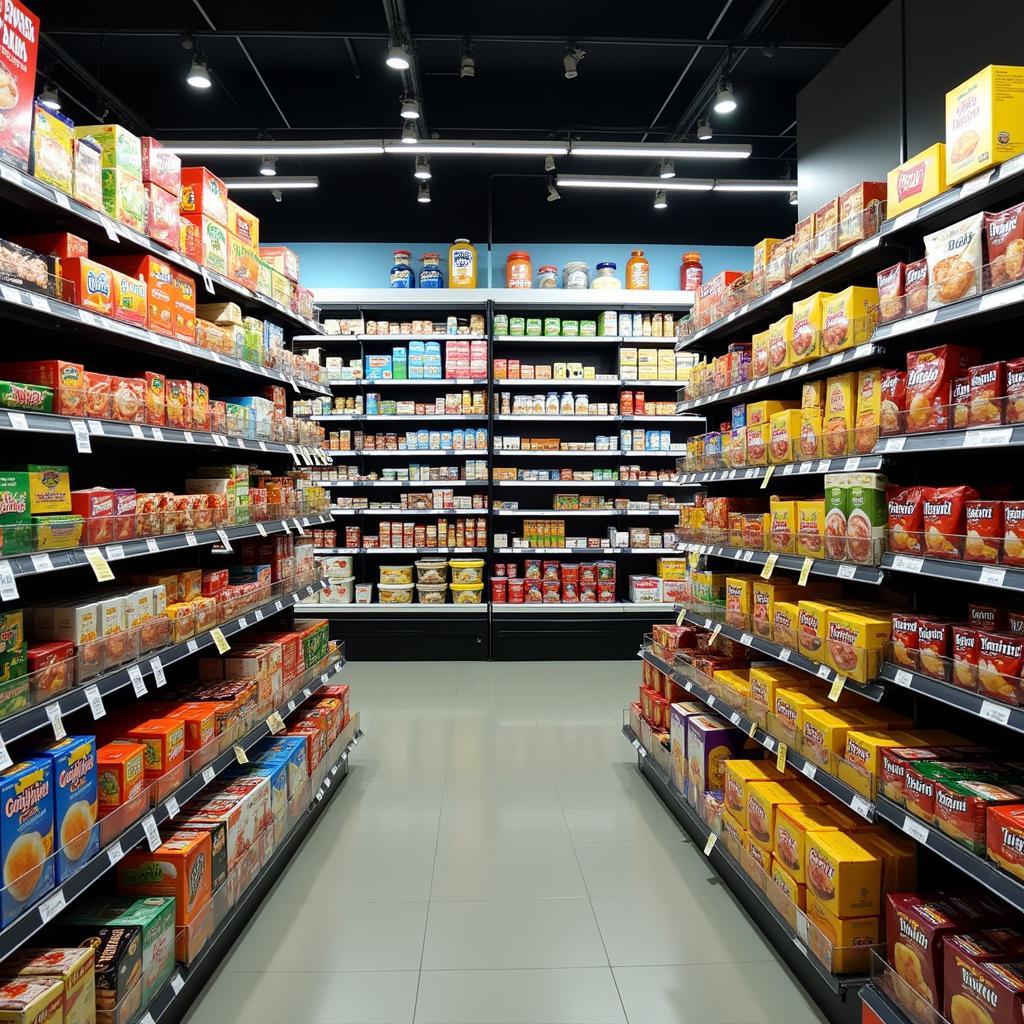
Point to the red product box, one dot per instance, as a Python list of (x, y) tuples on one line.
[(986, 616), (97, 395), (960, 400), (190, 239), (202, 192), (96, 501), (930, 376), (62, 244), (160, 166), (965, 657), (891, 291), (988, 390), (915, 287), (606, 592), (1014, 390), (214, 581), (983, 522), (1000, 664), (159, 286), (162, 217), (893, 412), (19, 45), (184, 306), (906, 519), (128, 399), (944, 514), (50, 667), (1013, 532), (1004, 245)]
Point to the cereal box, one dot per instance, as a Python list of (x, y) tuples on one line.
[(739, 775), (843, 875), (763, 800), (710, 743), (838, 416), (856, 644), (19, 44), (74, 969), (76, 810), (121, 774), (916, 180), (842, 943), (983, 979), (244, 225), (26, 834), (792, 824), (848, 318), (203, 193), (984, 121), (32, 1001), (156, 275), (88, 284), (808, 320), (780, 343), (213, 242), (813, 628), (131, 300), (88, 175), (160, 166)]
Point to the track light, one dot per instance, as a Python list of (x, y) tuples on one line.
[(704, 132), (660, 199), (422, 168), (467, 61), (793, 198), (549, 163), (423, 195), (409, 136), (725, 102), (49, 97), (553, 194), (410, 108), (277, 195), (199, 74), (398, 58), (667, 169), (268, 166), (571, 61)]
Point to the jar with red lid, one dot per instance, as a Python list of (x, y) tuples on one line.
[(518, 270), (691, 272)]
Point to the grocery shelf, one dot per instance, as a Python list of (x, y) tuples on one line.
[(873, 691), (585, 551), (37, 563), (599, 419), (841, 465), (91, 871), (56, 207), (795, 563), (354, 417), (950, 440), (586, 608), (994, 304), (826, 988), (577, 340), (581, 382), (172, 1000), (1000, 882), (401, 453), (884, 1008), (845, 794), (1004, 577), (954, 696), (603, 454), (412, 608), (535, 513), (46, 311), (504, 298), (570, 484), (418, 484), (414, 382), (401, 336), (410, 512), (24, 723), (399, 551), (816, 368)]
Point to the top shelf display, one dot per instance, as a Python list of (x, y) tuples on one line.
[(503, 298)]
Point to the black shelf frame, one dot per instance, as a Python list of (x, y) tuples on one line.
[(793, 563), (842, 464)]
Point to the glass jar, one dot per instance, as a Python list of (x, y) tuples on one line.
[(518, 270), (402, 274), (547, 277), (551, 404), (576, 274), (566, 407), (638, 270), (582, 405), (691, 272), (430, 272), (605, 276)]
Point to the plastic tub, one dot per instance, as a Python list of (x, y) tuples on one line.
[(339, 591), (432, 593), (395, 593), (364, 593), (467, 570), (396, 574), (431, 570), (467, 593)]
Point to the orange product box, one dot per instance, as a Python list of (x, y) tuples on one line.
[(120, 770), (916, 180), (164, 740), (286, 261), (315, 746), (202, 192), (861, 211), (242, 262), (180, 867), (91, 285), (244, 224), (200, 721), (156, 273), (200, 406), (61, 244), (184, 322), (131, 301), (66, 379)]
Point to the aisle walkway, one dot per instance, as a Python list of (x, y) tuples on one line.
[(495, 857)]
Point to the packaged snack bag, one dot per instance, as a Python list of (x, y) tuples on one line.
[(944, 516)]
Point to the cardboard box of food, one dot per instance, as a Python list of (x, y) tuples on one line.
[(26, 834), (75, 969), (984, 121), (916, 180), (843, 875)]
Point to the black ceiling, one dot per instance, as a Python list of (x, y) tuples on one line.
[(316, 70)]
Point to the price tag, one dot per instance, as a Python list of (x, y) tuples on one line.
[(716, 631), (42, 563), (902, 677), (734, 718), (907, 563), (39, 301), (862, 807), (319, 795), (177, 983), (710, 844), (307, 692), (1012, 166), (991, 577), (905, 218), (968, 188), (96, 427), (146, 1018), (172, 808), (278, 606), (291, 706), (152, 546), (752, 729), (837, 688), (784, 654), (258, 614), (208, 774), (138, 683), (192, 645), (261, 529), (915, 829), (994, 712), (894, 444), (746, 639), (82, 440), (187, 435), (711, 700), (780, 757), (115, 852), (748, 555), (852, 464), (240, 755), (327, 783), (92, 695), (293, 452), (220, 641), (52, 906), (224, 540), (152, 833), (285, 527), (10, 294), (805, 571), (298, 526), (988, 438), (190, 540), (680, 618), (767, 476), (102, 571), (18, 420), (769, 566), (823, 671), (137, 432), (809, 770), (207, 281), (822, 466), (846, 572), (787, 470), (8, 586), (56, 720)]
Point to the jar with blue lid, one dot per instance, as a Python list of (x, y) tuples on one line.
[(430, 272), (402, 274)]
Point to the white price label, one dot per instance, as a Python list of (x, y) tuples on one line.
[(862, 806), (822, 466), (258, 614), (151, 546), (801, 928), (298, 526), (823, 671), (96, 427), (52, 906), (56, 721), (9, 293), (39, 301), (291, 706), (138, 683), (5, 757), (207, 281), (111, 230), (784, 654), (92, 695), (146, 1018), (991, 577), (115, 852), (8, 586), (327, 783), (177, 983), (224, 541), (275, 723), (746, 639), (171, 807), (734, 718), (809, 770), (152, 833), (903, 677), (278, 606), (18, 420), (307, 692), (208, 774), (187, 435), (82, 440), (894, 444), (907, 563), (243, 622), (995, 712), (190, 539), (988, 438), (285, 526), (711, 700), (916, 829), (261, 529), (852, 464), (968, 188), (42, 563), (192, 645), (846, 572), (1012, 166), (114, 552), (101, 570), (137, 432), (319, 795)]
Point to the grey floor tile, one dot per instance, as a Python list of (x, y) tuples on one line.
[(622, 826), (654, 871), (499, 827), (507, 874)]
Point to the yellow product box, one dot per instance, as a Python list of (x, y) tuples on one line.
[(757, 444), (826, 230), (763, 801), (792, 823), (737, 683), (666, 364), (863, 757), (809, 445), (738, 600), (899, 860), (790, 705), (984, 121), (812, 394), (759, 365), (739, 774), (765, 680), (786, 624), (848, 318), (734, 835), (808, 315), (756, 861), (765, 594), (792, 892), (627, 363), (738, 447), (782, 526), (762, 412), (780, 343), (727, 448), (823, 733), (838, 417), (810, 528), (844, 876), (783, 435), (843, 944), (49, 490), (762, 257), (916, 180), (856, 643), (813, 627), (869, 410), (672, 568)]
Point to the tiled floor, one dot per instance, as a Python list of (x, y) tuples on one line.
[(494, 858)]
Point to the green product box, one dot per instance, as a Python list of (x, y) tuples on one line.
[(14, 693), (837, 487), (14, 664), (501, 323), (315, 643), (552, 326), (588, 328), (517, 326), (32, 397), (12, 631), (867, 516), (608, 323), (264, 278), (570, 328), (13, 498), (534, 328)]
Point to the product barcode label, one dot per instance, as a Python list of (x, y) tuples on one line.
[(208, 774), (115, 852), (809, 770), (52, 906), (56, 721), (42, 563), (225, 543), (988, 438), (171, 807), (261, 529), (92, 695), (846, 572), (991, 577), (152, 832), (138, 683), (894, 444), (861, 806), (784, 654), (915, 829), (907, 563), (82, 440), (995, 712), (903, 677), (220, 641), (8, 586), (240, 755), (156, 666), (823, 671)]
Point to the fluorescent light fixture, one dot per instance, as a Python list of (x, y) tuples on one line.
[(422, 169), (704, 132), (410, 108), (49, 98), (725, 102), (268, 167), (199, 75), (623, 181), (669, 151), (739, 185), (277, 182), (398, 58), (667, 169), (484, 147), (266, 147), (423, 195), (660, 199), (410, 137), (793, 198)]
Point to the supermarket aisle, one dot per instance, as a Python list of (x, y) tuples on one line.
[(495, 857)]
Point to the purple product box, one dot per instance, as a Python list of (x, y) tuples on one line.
[(710, 742)]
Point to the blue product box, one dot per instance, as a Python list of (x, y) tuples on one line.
[(652, 440), (287, 750), (372, 403), (422, 439), (273, 336), (26, 834), (277, 775), (432, 350), (75, 802), (416, 348), (739, 416), (378, 367)]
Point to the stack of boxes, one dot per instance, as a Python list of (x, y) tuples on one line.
[(647, 364), (121, 172), (161, 183), (204, 218), (243, 246)]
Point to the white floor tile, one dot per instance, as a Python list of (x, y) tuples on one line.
[(507, 874), (499, 827)]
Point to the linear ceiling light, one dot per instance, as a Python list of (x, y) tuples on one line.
[(485, 147), (265, 147), (623, 181), (277, 182), (669, 151), (738, 185)]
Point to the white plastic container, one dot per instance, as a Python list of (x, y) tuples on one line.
[(395, 593), (339, 591), (336, 567), (364, 593), (432, 570), (432, 593)]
